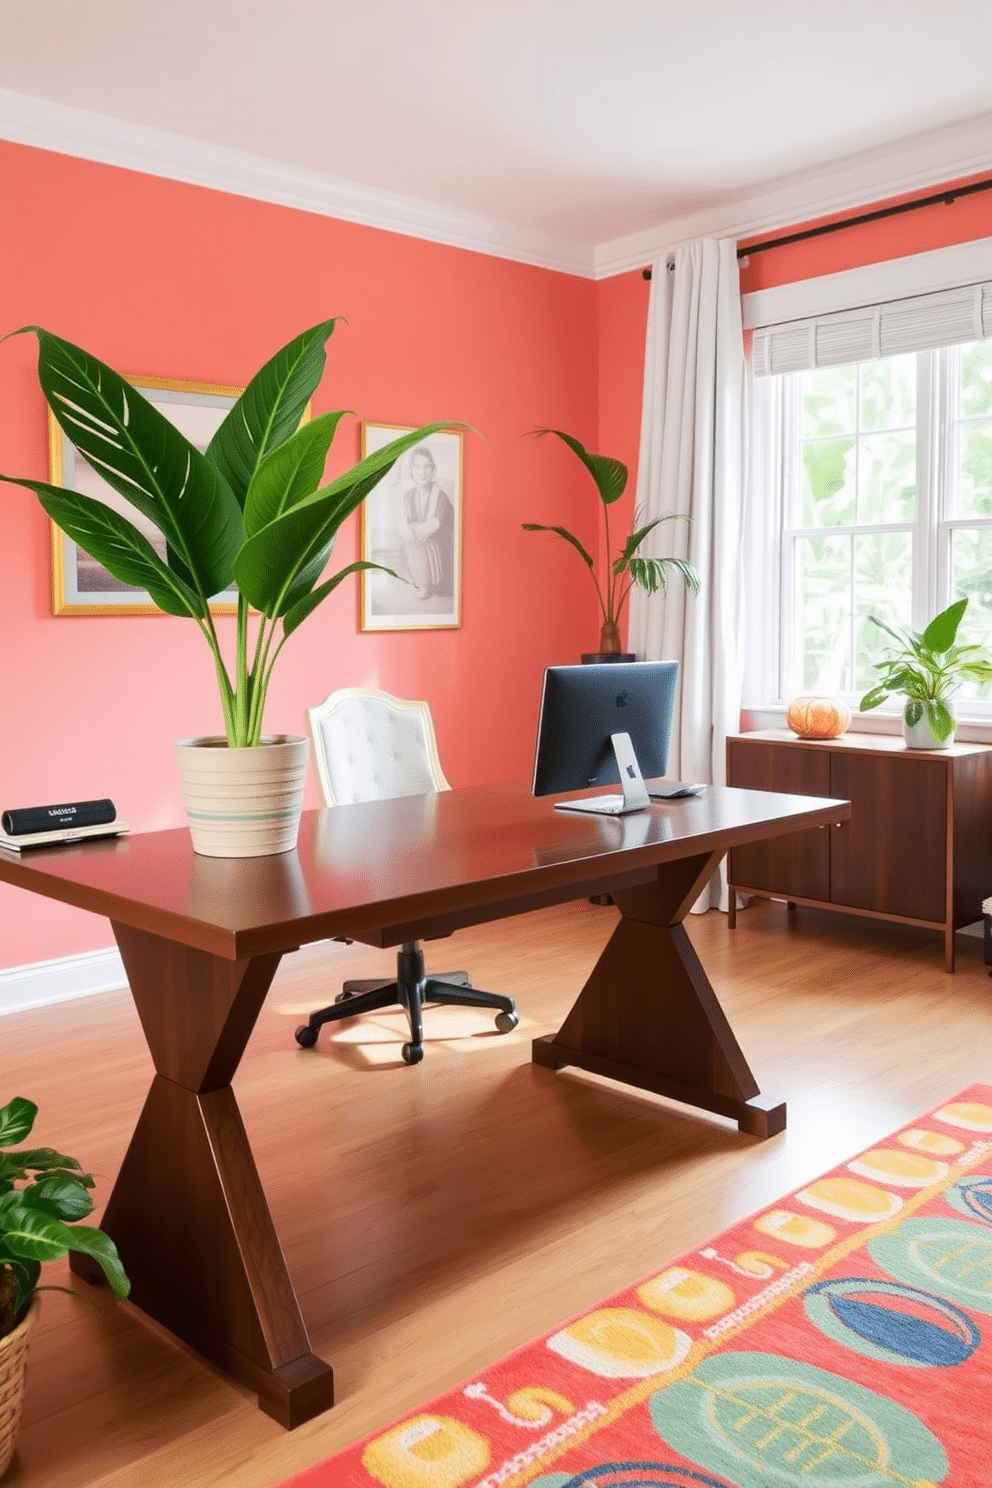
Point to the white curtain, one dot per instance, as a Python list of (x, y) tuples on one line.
[(692, 460)]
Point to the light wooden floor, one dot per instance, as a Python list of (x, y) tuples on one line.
[(434, 1218)]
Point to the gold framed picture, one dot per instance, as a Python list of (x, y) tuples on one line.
[(80, 585), (412, 524)]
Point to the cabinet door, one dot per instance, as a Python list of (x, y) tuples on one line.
[(891, 855), (796, 866)]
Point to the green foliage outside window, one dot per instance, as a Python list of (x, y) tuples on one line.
[(856, 469)]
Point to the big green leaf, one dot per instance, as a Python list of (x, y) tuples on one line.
[(940, 633), (86, 1240), (16, 1120), (270, 408), (873, 698), (60, 1197), (270, 563), (47, 1160), (609, 474), (289, 473), (116, 543), (146, 459), (32, 1236), (28, 1233), (939, 718)]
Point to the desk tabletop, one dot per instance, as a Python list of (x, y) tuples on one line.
[(385, 871)]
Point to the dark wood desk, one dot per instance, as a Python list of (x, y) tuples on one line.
[(201, 939)]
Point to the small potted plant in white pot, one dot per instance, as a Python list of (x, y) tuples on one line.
[(250, 512), (43, 1196), (927, 669), (629, 566)]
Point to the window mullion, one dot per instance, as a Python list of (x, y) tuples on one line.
[(926, 583)]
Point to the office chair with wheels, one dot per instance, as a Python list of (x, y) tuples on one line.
[(367, 746)]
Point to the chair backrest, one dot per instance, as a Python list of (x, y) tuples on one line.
[(368, 745)]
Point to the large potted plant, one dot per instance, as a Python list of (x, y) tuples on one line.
[(43, 1196), (926, 669), (629, 566), (250, 512)]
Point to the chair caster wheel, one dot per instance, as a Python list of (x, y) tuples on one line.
[(306, 1036), (413, 1053), (506, 1022)]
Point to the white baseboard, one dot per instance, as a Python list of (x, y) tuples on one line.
[(41, 983)]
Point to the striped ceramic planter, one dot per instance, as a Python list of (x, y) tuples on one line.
[(243, 803)]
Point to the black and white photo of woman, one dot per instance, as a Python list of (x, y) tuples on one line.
[(427, 528), (411, 529)]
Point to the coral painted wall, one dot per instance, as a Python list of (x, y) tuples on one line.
[(169, 280), (164, 279)]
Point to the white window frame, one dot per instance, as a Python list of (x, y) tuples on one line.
[(768, 566)]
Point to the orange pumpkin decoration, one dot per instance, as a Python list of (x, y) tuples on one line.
[(817, 717)]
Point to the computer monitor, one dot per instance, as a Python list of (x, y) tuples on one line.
[(603, 723)]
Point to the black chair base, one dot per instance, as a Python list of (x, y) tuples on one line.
[(411, 989)]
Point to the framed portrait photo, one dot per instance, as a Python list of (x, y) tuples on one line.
[(412, 524), (80, 585)]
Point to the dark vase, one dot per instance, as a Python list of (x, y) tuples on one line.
[(610, 646)]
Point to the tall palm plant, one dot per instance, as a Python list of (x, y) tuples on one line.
[(629, 566)]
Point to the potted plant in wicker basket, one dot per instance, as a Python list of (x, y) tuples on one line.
[(43, 1196)]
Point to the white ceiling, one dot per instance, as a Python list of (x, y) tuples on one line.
[(583, 133)]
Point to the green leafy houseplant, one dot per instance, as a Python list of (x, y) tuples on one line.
[(628, 567), (926, 669), (43, 1195), (250, 512)]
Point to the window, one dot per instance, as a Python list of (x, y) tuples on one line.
[(850, 513), (872, 489)]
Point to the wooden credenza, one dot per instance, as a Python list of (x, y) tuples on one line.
[(917, 849)]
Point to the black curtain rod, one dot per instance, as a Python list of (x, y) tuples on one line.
[(945, 197)]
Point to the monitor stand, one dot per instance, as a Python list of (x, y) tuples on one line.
[(635, 793)]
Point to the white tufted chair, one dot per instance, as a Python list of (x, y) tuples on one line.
[(368, 746)]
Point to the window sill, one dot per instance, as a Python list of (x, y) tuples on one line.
[(772, 716)]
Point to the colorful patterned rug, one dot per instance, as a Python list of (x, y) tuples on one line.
[(841, 1338)]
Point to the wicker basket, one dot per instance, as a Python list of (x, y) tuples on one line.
[(13, 1367)]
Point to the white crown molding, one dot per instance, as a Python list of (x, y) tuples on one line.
[(157, 152), (42, 983), (928, 160)]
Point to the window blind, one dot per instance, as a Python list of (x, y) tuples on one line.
[(918, 323)]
